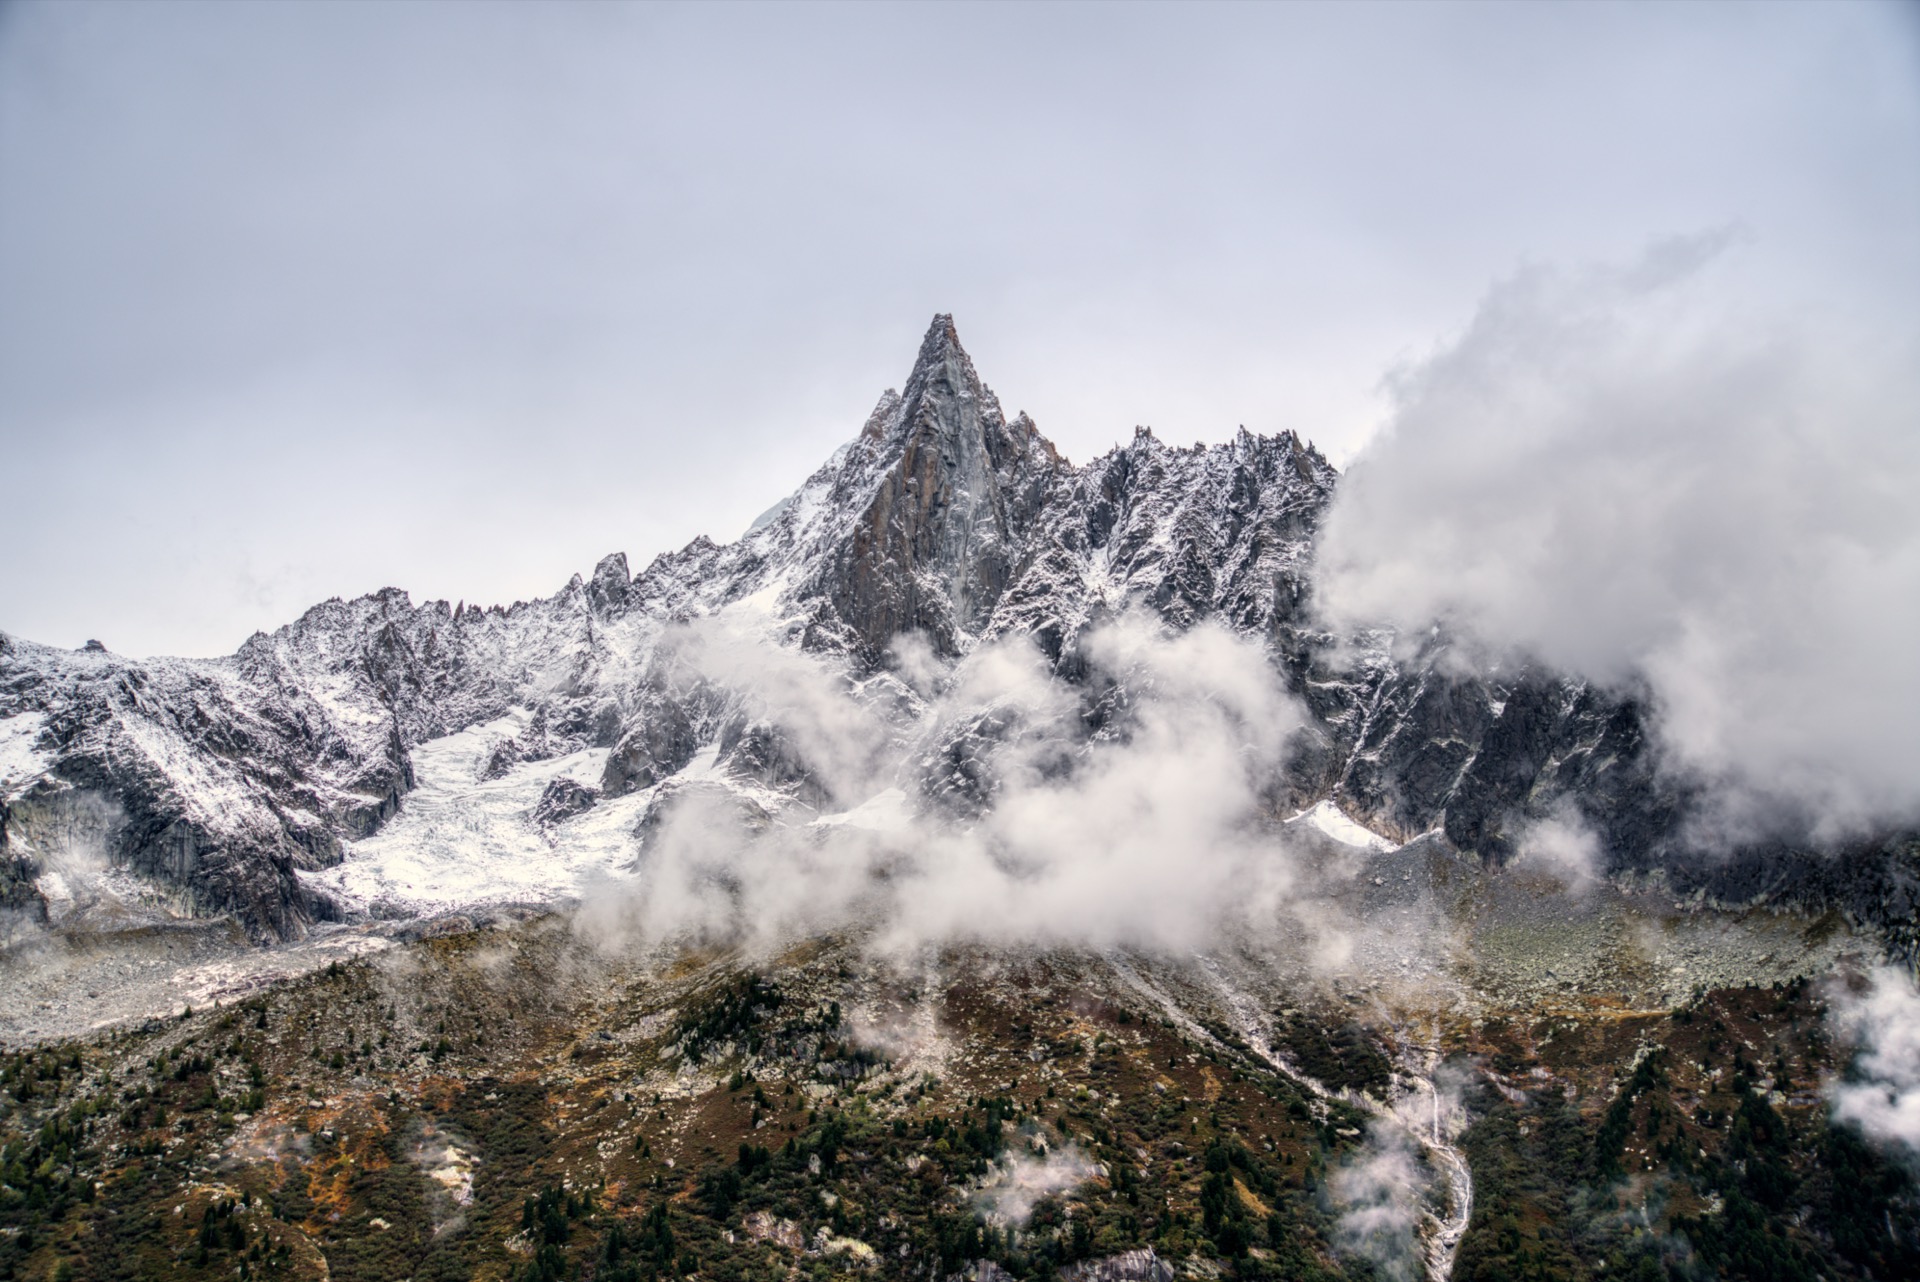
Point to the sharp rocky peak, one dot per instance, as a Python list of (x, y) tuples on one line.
[(943, 373), (946, 400), (943, 492)]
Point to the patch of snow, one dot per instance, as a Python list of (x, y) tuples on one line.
[(772, 514), (763, 601), (20, 762), (707, 768), (461, 842), (1330, 820), (883, 812)]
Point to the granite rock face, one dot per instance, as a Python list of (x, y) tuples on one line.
[(937, 537), (208, 786), (562, 800), (1143, 1265)]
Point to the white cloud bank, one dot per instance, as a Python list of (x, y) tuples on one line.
[(1154, 834), (1883, 1094), (1619, 472)]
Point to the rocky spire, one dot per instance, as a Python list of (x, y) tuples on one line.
[(943, 369), (945, 528), (944, 394)]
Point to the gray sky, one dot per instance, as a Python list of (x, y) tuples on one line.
[(303, 300)]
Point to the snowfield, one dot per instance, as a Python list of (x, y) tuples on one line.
[(1331, 821), (20, 762), (460, 841)]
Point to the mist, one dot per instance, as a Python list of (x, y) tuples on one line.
[(1564, 850), (1379, 1195), (1633, 473), (1881, 1092), (1155, 831), (1388, 1192), (1022, 1181)]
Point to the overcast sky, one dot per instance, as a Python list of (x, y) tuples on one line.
[(304, 300)]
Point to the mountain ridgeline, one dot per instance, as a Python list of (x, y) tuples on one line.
[(208, 786)]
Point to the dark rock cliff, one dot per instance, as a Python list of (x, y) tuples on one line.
[(936, 541)]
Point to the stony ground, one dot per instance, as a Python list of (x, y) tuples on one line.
[(510, 1102)]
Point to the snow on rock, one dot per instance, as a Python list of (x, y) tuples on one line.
[(886, 811), (21, 759), (1331, 821), (463, 841)]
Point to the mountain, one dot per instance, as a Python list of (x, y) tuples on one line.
[(142, 790), (1115, 920)]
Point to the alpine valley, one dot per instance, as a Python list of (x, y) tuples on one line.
[(986, 867)]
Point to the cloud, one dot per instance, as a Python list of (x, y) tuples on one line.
[(1019, 1183), (1380, 1194), (1563, 848), (1397, 1198), (1882, 1093), (838, 737), (1626, 474), (1013, 824), (1147, 835)]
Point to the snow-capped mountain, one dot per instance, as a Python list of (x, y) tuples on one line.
[(130, 788)]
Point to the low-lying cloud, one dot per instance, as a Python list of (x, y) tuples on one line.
[(1380, 1196), (1881, 1094), (1021, 1181), (991, 813), (1564, 849), (1622, 473), (1397, 1208)]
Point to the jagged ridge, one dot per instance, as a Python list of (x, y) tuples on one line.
[(216, 781)]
